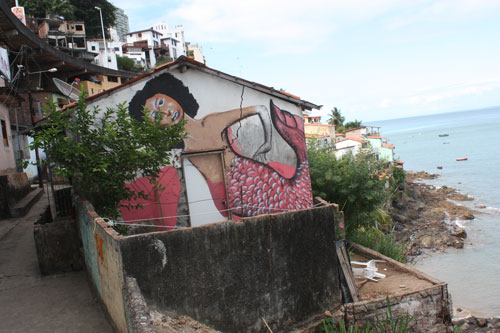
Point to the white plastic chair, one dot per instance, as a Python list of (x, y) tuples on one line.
[(370, 270)]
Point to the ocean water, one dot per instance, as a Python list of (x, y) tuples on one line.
[(472, 273)]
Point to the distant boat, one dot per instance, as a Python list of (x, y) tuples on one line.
[(445, 143), (443, 135), (440, 167), (462, 159)]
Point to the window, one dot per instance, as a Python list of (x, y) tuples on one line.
[(140, 35), (4, 134), (91, 91), (112, 79), (117, 49), (93, 47), (67, 26), (79, 27)]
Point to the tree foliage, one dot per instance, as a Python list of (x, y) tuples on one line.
[(42, 8), (103, 151), (355, 183), (335, 118), (127, 63), (85, 11), (352, 124), (75, 10)]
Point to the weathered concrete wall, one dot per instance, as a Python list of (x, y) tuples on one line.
[(430, 307), (138, 314), (426, 307), (103, 261), (58, 247), (230, 275), (13, 187)]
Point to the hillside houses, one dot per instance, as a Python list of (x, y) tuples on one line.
[(352, 141)]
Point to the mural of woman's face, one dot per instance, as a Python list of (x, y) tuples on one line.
[(161, 105)]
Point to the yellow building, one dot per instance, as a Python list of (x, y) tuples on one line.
[(99, 83)]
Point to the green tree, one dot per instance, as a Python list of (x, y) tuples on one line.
[(355, 183), (85, 11), (125, 63), (335, 118), (352, 124), (42, 8), (103, 151)]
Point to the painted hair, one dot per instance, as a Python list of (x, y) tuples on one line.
[(166, 84)]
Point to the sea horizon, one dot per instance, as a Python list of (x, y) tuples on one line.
[(471, 134)]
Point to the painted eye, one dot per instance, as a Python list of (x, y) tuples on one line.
[(161, 102)]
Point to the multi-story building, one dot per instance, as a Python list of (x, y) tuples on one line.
[(324, 133), (67, 36), (175, 38), (121, 24), (141, 46), (194, 51)]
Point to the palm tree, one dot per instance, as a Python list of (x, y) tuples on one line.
[(336, 118)]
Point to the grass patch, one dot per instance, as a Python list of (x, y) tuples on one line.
[(377, 240)]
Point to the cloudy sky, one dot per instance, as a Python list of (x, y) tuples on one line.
[(373, 59)]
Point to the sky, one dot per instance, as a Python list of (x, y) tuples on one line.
[(372, 59)]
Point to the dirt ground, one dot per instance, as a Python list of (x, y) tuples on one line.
[(396, 281)]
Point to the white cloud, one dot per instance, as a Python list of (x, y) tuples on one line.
[(444, 11), (473, 88)]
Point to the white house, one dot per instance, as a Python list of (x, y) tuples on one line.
[(350, 145), (176, 36), (245, 153), (141, 46)]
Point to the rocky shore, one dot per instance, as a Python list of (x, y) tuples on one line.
[(425, 217), (428, 218)]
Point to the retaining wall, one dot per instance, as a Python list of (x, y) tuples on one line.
[(230, 275), (101, 246)]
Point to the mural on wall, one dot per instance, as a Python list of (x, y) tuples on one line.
[(264, 160)]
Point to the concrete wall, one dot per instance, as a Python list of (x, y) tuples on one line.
[(230, 275), (7, 160), (430, 307), (13, 187), (103, 261)]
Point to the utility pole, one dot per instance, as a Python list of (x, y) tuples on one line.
[(32, 115)]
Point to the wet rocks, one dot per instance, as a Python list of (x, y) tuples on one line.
[(476, 324), (423, 216)]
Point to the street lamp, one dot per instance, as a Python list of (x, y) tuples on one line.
[(50, 70), (103, 36)]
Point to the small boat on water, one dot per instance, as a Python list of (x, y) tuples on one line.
[(462, 159), (443, 135)]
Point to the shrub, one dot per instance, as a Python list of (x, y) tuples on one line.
[(103, 151)]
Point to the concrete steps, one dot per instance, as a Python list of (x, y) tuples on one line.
[(23, 206)]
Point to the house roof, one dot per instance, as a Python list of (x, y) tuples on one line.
[(353, 129), (353, 139), (309, 135), (144, 30), (185, 62), (317, 124), (374, 137), (388, 145)]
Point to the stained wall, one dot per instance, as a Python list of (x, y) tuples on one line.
[(230, 275)]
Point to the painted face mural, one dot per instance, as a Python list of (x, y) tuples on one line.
[(237, 163), (164, 107)]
